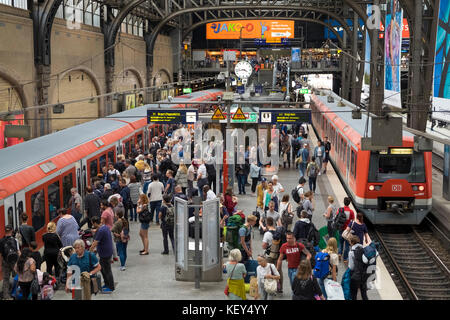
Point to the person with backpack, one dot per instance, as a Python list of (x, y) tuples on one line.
[(91, 205), (245, 238), (311, 171), (298, 192), (341, 222), (329, 215), (144, 219), (306, 232), (167, 218), (155, 194), (270, 213), (326, 264), (170, 184), (26, 232), (305, 285), (121, 233), (292, 250), (9, 249), (287, 215), (271, 244), (358, 273)]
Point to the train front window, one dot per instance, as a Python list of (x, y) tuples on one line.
[(386, 166)]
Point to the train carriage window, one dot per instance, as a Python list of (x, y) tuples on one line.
[(102, 161), (53, 199), (93, 168), (127, 148), (20, 207), (111, 157), (38, 210), (67, 185), (139, 140), (11, 216), (353, 165)]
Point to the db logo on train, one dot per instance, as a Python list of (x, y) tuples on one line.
[(396, 187)]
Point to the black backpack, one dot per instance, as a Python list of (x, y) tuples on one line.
[(339, 219), (169, 218), (10, 251), (359, 272), (313, 235), (295, 195), (310, 247), (286, 218), (144, 216)]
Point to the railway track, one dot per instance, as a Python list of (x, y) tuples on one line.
[(419, 263), (438, 161)]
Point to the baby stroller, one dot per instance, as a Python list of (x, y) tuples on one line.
[(87, 236), (63, 258)]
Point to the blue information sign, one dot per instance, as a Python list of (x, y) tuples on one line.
[(172, 116), (284, 116), (258, 88), (240, 89)]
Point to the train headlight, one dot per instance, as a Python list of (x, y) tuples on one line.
[(371, 187), (421, 188)]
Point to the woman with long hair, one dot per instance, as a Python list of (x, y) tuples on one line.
[(230, 201), (142, 205), (359, 228), (26, 270), (286, 208), (134, 195), (181, 178), (52, 244), (305, 286), (332, 250), (121, 236)]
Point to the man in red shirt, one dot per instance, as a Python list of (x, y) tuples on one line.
[(293, 251), (344, 245)]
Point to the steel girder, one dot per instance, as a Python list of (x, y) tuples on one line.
[(422, 16), (244, 12)]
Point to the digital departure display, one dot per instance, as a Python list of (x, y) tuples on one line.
[(172, 116), (286, 116)]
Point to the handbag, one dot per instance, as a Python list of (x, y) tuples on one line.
[(96, 283), (227, 287), (35, 288), (348, 232), (270, 285)]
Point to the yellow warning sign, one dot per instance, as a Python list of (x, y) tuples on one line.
[(239, 115), (218, 115)]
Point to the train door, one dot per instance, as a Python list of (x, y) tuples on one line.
[(348, 162), (146, 141)]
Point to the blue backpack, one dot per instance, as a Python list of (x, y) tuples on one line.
[(322, 267), (370, 251), (345, 283)]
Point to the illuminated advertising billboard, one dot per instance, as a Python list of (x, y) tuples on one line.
[(251, 29)]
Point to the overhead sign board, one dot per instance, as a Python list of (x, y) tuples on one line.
[(305, 91), (284, 116), (251, 29), (172, 116), (187, 90)]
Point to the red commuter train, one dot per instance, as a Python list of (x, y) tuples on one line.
[(36, 176), (391, 186)]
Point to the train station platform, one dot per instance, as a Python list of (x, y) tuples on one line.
[(152, 277)]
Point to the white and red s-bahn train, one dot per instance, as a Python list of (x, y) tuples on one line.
[(391, 186), (36, 176)]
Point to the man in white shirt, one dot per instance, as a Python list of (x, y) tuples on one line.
[(208, 194), (155, 193), (202, 176), (270, 213), (112, 170)]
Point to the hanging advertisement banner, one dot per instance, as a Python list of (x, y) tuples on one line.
[(295, 55), (441, 86), (251, 29), (366, 80), (392, 46)]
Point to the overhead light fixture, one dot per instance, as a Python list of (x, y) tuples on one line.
[(58, 108)]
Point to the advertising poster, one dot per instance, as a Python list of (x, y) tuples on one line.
[(295, 55), (392, 46), (130, 101), (366, 80), (441, 87)]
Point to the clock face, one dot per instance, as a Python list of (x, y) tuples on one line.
[(243, 69)]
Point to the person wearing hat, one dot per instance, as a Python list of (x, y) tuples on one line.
[(7, 261)]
